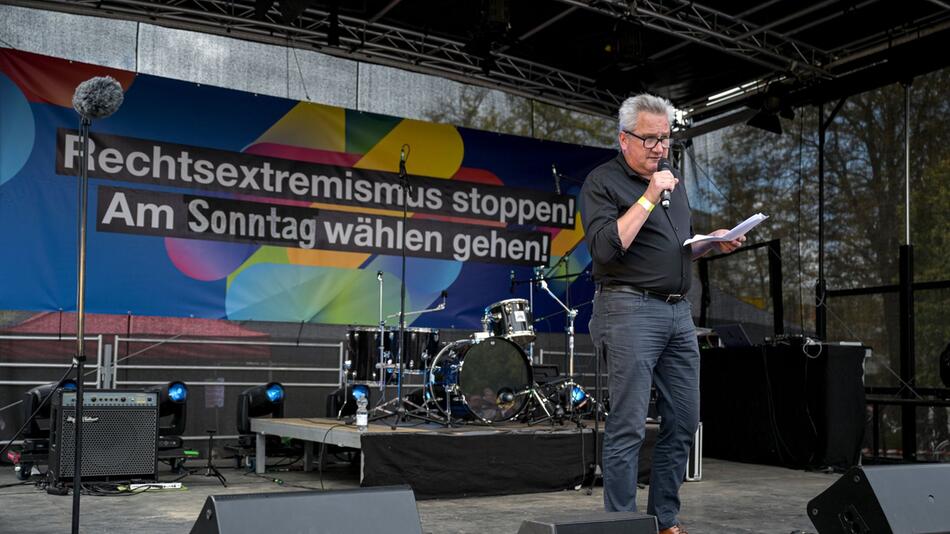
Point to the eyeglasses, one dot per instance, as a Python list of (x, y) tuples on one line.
[(650, 142)]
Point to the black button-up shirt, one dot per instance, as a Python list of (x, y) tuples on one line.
[(657, 259)]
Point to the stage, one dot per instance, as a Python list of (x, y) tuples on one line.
[(732, 498), (438, 461)]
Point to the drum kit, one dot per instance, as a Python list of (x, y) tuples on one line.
[(486, 378)]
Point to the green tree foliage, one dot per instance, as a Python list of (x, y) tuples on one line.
[(864, 222), (478, 107)]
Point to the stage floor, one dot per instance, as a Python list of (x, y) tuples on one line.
[(732, 498), (439, 462)]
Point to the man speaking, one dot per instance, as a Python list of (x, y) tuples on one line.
[(635, 222)]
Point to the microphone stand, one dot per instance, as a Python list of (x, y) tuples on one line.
[(80, 358), (406, 191), (400, 412)]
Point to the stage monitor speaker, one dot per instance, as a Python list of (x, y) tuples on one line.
[(892, 499), (119, 435), (592, 523), (390, 509)]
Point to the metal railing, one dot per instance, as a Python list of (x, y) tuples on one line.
[(156, 342)]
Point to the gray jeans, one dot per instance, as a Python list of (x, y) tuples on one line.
[(647, 341)]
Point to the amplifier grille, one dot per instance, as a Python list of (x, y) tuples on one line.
[(118, 442)]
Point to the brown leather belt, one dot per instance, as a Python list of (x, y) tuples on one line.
[(626, 288)]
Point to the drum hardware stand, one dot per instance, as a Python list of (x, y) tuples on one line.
[(537, 274), (555, 414), (425, 368), (382, 344), (571, 315)]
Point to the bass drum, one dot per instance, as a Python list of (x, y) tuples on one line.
[(484, 380)]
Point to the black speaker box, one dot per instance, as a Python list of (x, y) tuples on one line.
[(892, 499), (390, 509), (593, 523), (119, 435)]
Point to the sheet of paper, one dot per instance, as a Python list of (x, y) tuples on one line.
[(740, 230)]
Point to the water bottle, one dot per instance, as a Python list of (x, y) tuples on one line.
[(362, 416)]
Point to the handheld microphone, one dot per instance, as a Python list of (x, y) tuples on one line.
[(664, 165), (557, 179), (97, 98)]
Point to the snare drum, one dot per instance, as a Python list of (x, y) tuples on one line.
[(510, 319), (362, 346), (486, 380)]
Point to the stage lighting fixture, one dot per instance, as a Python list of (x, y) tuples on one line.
[(177, 392), (258, 401), (172, 408), (275, 392), (767, 121), (360, 391), (774, 104), (578, 396), (39, 426), (342, 402)]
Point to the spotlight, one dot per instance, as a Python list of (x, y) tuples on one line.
[(172, 412), (39, 426), (342, 402), (578, 396), (766, 121), (177, 392), (275, 392), (573, 395), (258, 401), (360, 391)]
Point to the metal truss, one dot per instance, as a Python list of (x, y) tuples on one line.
[(360, 40), (729, 34)]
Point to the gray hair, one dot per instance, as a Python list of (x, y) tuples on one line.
[(642, 103)]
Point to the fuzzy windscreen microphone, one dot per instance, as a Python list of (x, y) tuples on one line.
[(97, 98)]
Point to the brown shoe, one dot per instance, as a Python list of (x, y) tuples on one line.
[(675, 529)]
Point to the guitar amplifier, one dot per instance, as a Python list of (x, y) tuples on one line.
[(119, 435)]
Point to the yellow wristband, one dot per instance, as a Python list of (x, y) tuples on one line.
[(647, 205)]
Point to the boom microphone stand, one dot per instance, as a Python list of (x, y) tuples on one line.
[(95, 98), (400, 410), (406, 191)]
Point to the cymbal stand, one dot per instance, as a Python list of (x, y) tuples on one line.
[(571, 315), (382, 343), (398, 368)]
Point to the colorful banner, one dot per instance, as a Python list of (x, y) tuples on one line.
[(216, 203)]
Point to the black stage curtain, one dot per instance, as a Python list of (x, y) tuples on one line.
[(475, 463), (786, 405)]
